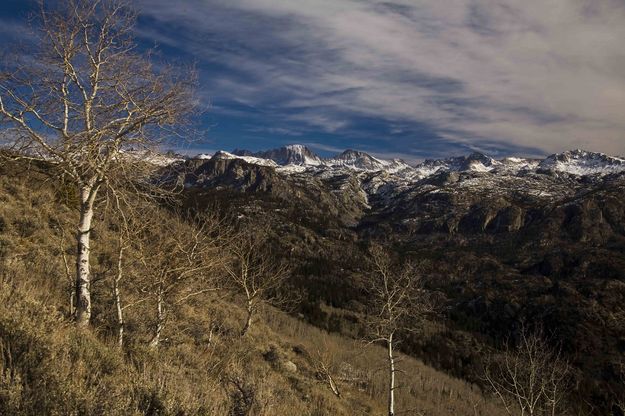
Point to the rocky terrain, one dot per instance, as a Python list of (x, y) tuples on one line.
[(503, 241), (463, 195)]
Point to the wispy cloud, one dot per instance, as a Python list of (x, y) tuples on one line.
[(409, 76), (324, 147), (275, 130)]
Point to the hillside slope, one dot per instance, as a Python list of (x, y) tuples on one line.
[(505, 241), (203, 366)]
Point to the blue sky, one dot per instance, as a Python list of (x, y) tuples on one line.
[(397, 78)]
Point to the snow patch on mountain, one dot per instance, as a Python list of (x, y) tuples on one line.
[(515, 166), (155, 158), (360, 161), (299, 159), (582, 163), (476, 162), (293, 154), (249, 159)]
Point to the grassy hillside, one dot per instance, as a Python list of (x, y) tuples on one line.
[(202, 367)]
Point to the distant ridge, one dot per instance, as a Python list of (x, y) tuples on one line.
[(297, 157), (573, 162)]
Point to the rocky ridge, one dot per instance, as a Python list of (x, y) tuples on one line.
[(504, 240)]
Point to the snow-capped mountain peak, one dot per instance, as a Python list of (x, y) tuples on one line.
[(293, 154), (249, 159), (477, 162), (297, 158), (357, 160), (581, 162)]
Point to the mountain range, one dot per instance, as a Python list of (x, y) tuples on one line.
[(358, 185), (503, 241), (299, 157)]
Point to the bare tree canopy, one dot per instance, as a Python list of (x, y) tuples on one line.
[(255, 273), (397, 293), (399, 302), (84, 98), (179, 259), (530, 378)]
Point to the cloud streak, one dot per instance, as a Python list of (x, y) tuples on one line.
[(415, 77)]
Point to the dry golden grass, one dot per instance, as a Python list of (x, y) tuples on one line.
[(48, 367), (361, 372)]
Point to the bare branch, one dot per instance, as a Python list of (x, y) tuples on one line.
[(83, 101), (398, 301), (530, 378), (253, 272)]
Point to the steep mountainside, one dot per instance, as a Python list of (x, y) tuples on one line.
[(503, 241), (293, 154), (579, 162), (204, 366)]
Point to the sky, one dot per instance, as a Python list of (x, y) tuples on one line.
[(412, 79)]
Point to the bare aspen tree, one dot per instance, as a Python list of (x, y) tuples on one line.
[(69, 276), (179, 259), (530, 378), (255, 273), (122, 245), (126, 212), (324, 363), (84, 98), (399, 301)]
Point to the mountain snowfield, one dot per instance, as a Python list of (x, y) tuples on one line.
[(298, 158), (583, 163)]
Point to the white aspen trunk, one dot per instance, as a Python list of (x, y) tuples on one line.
[(117, 296), (248, 321), (333, 386), (391, 382), (83, 270), (120, 314), (160, 320), (554, 401), (72, 295)]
